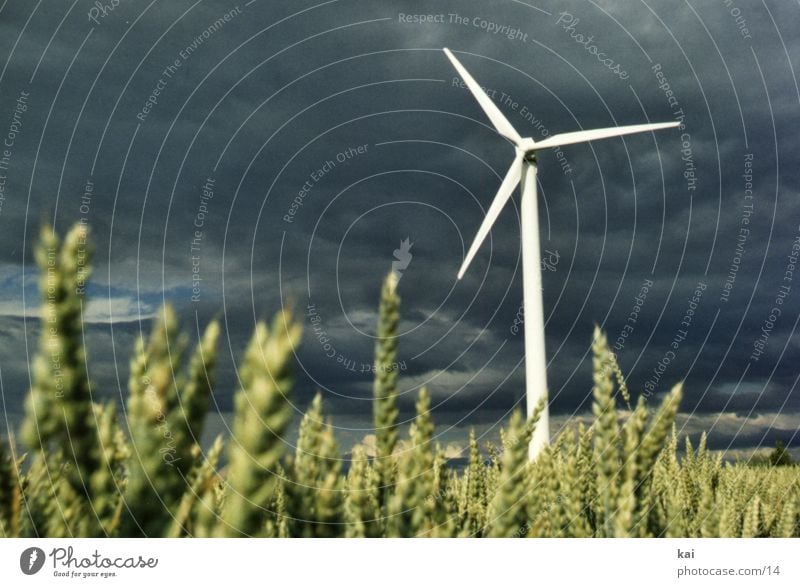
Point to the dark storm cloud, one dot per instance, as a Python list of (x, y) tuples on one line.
[(330, 134)]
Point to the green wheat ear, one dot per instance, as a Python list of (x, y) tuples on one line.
[(108, 481), (316, 493), (385, 385), (472, 506), (167, 406), (61, 422), (362, 509), (507, 510), (201, 478), (410, 507), (607, 449), (10, 492), (195, 387), (443, 514), (261, 418), (157, 461)]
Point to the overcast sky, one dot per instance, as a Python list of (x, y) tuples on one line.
[(284, 150)]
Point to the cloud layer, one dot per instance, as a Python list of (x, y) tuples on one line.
[(282, 154)]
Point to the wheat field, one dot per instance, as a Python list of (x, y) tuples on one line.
[(76, 469)]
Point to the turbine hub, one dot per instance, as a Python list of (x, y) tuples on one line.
[(528, 145)]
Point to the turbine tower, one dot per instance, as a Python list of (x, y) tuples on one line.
[(523, 170)]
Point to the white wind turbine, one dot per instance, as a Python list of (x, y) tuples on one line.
[(523, 169)]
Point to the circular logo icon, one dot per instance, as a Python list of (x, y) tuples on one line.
[(31, 560)]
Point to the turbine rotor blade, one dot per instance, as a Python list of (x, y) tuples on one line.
[(496, 117), (582, 136), (512, 178)]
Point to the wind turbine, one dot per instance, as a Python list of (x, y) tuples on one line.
[(523, 170)]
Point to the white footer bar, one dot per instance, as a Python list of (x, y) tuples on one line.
[(400, 563)]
